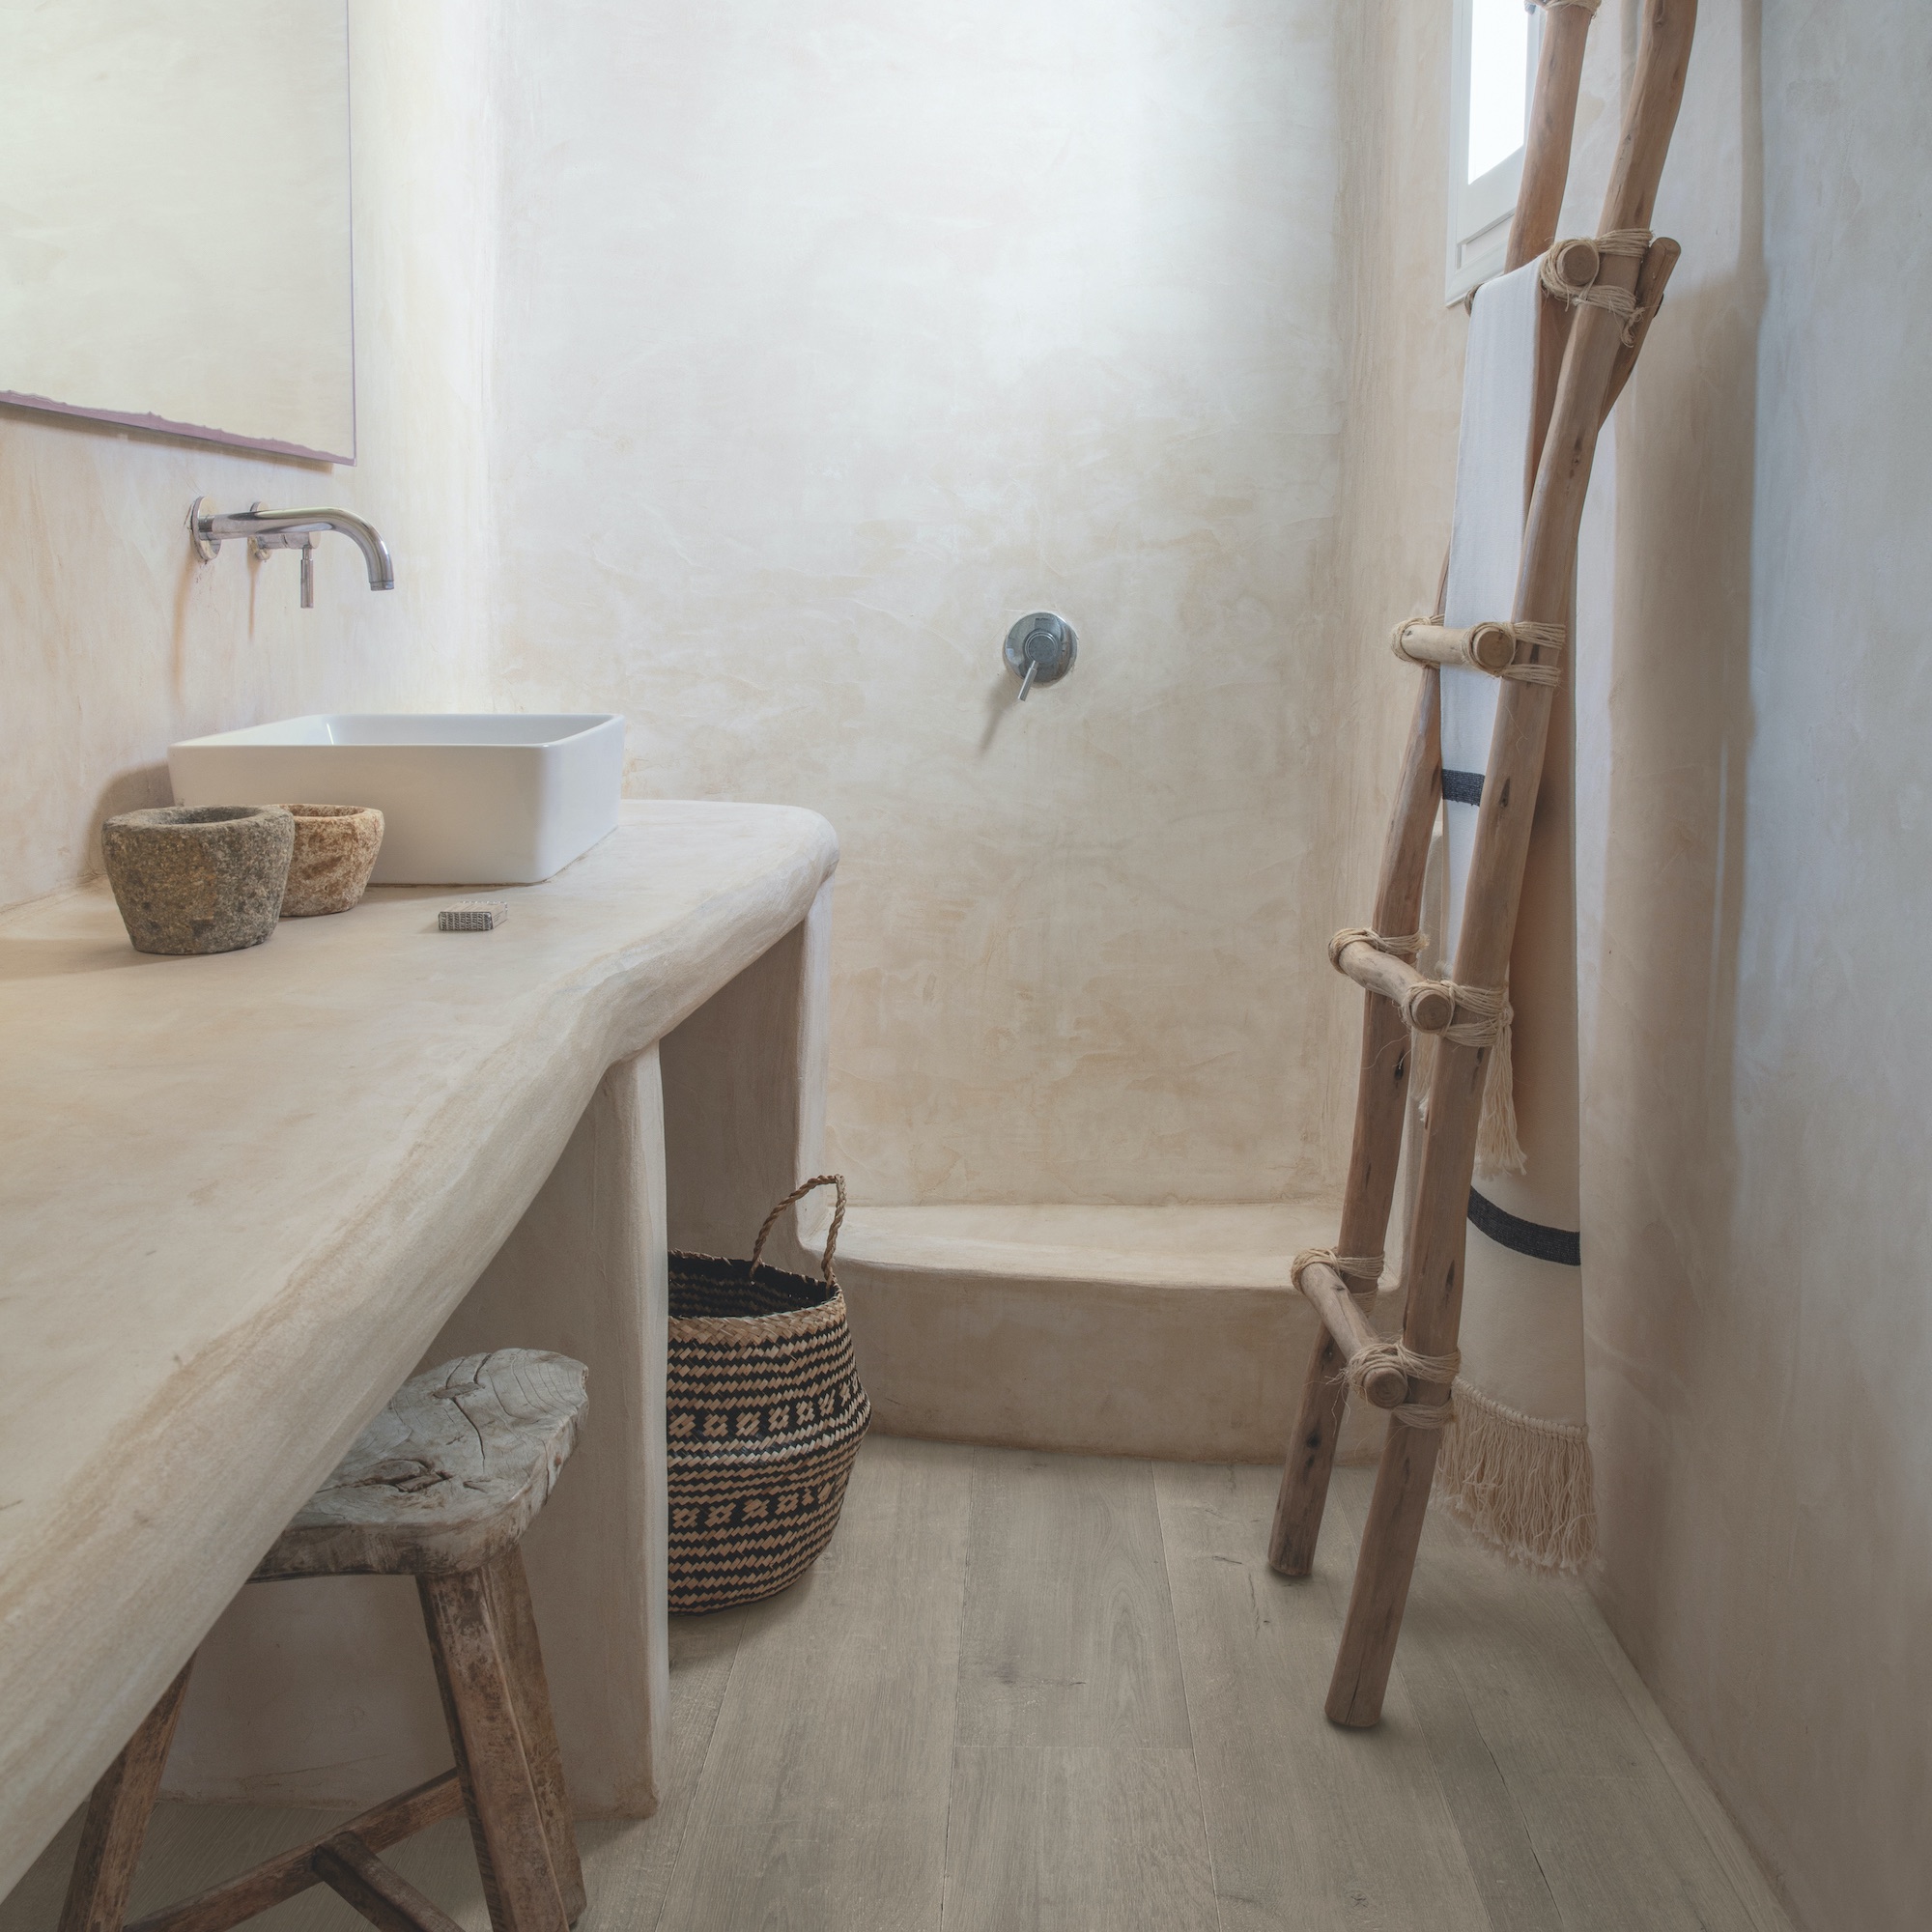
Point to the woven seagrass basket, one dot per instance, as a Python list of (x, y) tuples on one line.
[(765, 1417)]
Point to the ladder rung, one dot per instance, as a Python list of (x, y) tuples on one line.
[(1428, 1004), (1342, 1313), (1488, 646)]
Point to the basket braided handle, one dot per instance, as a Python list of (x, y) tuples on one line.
[(798, 1193)]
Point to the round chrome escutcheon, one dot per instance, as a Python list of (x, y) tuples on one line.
[(1040, 649)]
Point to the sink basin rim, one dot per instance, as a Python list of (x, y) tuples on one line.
[(469, 798), (349, 730)]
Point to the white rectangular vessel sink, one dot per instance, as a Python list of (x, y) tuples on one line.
[(470, 798)]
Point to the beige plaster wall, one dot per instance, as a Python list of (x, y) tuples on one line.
[(113, 642), (831, 340), (1755, 1063), (1405, 393)]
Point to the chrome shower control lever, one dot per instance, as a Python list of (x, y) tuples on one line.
[(1040, 649)]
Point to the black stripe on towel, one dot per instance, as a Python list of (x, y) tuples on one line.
[(1463, 787), (1525, 1237)]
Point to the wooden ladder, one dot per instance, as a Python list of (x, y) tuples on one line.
[(1582, 362)]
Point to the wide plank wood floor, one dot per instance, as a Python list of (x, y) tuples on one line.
[(1060, 1693)]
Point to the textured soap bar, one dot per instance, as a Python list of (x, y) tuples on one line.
[(473, 915)]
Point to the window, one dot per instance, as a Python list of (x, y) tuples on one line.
[(1491, 67)]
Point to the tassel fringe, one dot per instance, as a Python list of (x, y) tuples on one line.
[(1498, 1151), (1524, 1486)]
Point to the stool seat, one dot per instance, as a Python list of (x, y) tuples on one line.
[(444, 1479)]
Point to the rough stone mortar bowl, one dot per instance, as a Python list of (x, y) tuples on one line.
[(199, 878), (335, 852)]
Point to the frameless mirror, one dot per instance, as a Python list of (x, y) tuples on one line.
[(175, 218)]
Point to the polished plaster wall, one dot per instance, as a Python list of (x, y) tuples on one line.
[(831, 341), (1753, 884), (1404, 404), (113, 642)]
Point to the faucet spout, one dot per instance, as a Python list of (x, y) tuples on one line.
[(290, 530)]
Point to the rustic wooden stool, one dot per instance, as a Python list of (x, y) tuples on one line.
[(440, 1487)]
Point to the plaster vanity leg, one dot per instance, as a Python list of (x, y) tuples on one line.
[(743, 1095), (693, 1140), (321, 1692), (584, 1274)]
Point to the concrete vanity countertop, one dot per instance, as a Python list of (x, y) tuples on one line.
[(242, 1196)]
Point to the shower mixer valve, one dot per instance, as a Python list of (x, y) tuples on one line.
[(1040, 649)]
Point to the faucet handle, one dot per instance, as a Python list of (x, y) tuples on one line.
[(292, 529)]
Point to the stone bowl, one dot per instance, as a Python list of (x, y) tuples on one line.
[(335, 852), (199, 878)]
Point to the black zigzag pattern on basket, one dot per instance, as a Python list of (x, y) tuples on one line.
[(765, 1417)]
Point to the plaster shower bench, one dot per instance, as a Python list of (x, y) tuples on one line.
[(244, 1196)]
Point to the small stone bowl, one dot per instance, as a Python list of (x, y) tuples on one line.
[(335, 852), (199, 878)]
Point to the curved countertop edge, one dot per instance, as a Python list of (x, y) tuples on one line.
[(172, 1505)]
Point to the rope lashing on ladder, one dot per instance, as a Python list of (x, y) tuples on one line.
[(1438, 1371), (1364, 1268), (1489, 1013), (1473, 647), (1402, 945), (1426, 1414), (1557, 278), (1557, 6), (1479, 1015), (1482, 1016)]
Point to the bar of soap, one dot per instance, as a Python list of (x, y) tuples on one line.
[(473, 915)]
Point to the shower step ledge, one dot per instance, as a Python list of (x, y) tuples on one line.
[(1170, 1332)]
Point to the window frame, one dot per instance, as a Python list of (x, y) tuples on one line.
[(1480, 211)]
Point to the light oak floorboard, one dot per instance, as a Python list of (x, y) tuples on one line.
[(945, 1726), (1606, 1818), (824, 1798), (1495, 1836), (1754, 1890), (1310, 1827), (1069, 1634), (627, 1862), (1497, 1842), (1076, 1839)]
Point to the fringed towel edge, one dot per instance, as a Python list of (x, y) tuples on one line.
[(1523, 1486)]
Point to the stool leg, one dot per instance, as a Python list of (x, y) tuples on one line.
[(505, 1822), (117, 1820), (529, 1692)]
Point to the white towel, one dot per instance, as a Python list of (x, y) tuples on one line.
[(1515, 1465)]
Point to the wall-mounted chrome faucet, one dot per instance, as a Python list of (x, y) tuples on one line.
[(292, 529), (1040, 649)]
